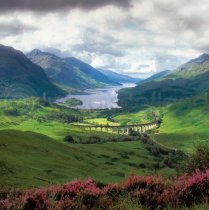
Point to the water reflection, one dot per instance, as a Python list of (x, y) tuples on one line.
[(98, 98)]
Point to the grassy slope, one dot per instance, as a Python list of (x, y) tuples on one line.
[(144, 116), (29, 160), (30, 115), (184, 125), (138, 117), (188, 80)]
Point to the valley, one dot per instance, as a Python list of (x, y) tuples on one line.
[(104, 105), (47, 141)]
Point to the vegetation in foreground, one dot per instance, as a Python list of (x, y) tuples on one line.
[(148, 192), (30, 160)]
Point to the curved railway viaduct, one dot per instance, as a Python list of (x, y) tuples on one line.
[(123, 129)]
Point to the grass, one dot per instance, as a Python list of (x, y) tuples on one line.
[(144, 116), (184, 125), (101, 121), (29, 159), (48, 119), (106, 162), (126, 118)]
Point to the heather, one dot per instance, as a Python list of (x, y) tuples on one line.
[(149, 192)]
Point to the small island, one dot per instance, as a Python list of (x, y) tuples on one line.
[(72, 102)]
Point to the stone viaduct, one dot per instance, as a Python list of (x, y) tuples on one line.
[(123, 129)]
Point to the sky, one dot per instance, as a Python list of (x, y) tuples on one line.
[(134, 37)]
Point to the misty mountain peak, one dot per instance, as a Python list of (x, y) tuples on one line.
[(201, 59), (35, 52)]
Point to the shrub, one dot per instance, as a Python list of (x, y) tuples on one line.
[(174, 159), (151, 192), (11, 112), (92, 139), (69, 139), (44, 102), (199, 160), (189, 190)]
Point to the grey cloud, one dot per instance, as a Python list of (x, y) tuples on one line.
[(195, 20), (179, 15), (14, 28), (170, 62), (202, 47), (54, 5), (57, 52), (99, 43), (97, 48)]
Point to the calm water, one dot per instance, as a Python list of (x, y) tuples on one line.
[(98, 98)]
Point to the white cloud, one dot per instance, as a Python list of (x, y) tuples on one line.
[(156, 34)]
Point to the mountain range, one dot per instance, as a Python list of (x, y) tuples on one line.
[(120, 78), (70, 71), (155, 77), (188, 80), (44, 74), (19, 77)]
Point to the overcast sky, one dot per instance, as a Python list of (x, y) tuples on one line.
[(137, 37)]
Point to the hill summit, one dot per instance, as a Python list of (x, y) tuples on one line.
[(19, 77)]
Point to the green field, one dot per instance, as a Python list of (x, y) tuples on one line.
[(184, 123), (29, 160), (34, 153), (48, 119)]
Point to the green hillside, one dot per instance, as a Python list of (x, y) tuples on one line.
[(34, 151), (181, 100), (156, 76), (42, 116), (20, 78), (194, 67), (29, 159), (185, 123), (188, 80)]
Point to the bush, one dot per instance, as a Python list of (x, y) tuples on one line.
[(93, 139), (44, 102), (189, 190), (69, 139), (11, 112), (199, 160), (175, 159), (151, 192)]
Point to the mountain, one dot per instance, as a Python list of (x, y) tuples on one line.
[(186, 81), (193, 68), (19, 77), (90, 71), (69, 71), (155, 77), (120, 78)]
